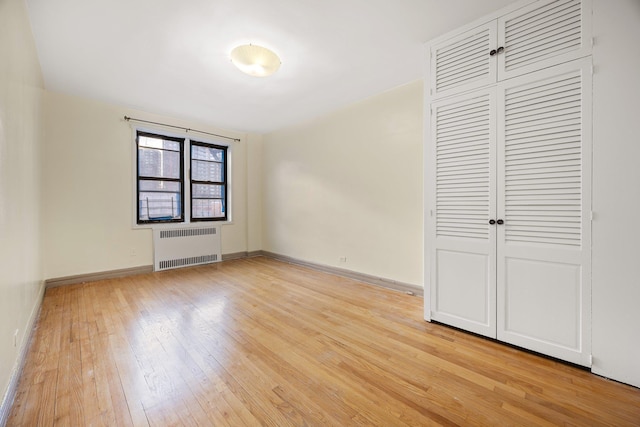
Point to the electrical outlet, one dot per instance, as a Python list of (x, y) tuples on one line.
[(15, 338), (343, 259)]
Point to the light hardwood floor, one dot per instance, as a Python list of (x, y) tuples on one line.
[(260, 342)]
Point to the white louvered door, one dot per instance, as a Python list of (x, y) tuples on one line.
[(463, 173), (543, 247), (508, 179), (543, 34), (533, 37), (463, 63)]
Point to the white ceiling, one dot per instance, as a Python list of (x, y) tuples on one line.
[(172, 56)]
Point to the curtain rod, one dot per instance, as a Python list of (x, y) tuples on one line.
[(180, 127)]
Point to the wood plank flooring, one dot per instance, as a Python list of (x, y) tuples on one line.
[(260, 342)]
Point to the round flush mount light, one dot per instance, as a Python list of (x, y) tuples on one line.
[(255, 60)]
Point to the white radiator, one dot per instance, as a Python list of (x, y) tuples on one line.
[(183, 247)]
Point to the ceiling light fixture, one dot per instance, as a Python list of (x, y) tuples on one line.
[(255, 60)]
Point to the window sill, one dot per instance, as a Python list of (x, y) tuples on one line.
[(174, 225)]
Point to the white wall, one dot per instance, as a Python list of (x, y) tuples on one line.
[(350, 185), (88, 188), (616, 190), (20, 112)]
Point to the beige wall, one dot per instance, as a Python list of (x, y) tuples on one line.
[(254, 192), (88, 188), (20, 112), (350, 185)]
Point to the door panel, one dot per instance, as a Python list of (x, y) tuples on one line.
[(543, 247), (464, 288), (462, 174), (543, 34), (542, 302), (462, 62)]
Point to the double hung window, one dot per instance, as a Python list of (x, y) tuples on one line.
[(208, 181), (160, 178), (170, 189)]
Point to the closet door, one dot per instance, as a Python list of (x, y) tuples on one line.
[(461, 242), (543, 246), (463, 62), (543, 34)]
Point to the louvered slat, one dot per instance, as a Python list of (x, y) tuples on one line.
[(551, 30), (462, 140), (543, 162)]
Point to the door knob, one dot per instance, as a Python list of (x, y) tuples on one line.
[(492, 221), (500, 222)]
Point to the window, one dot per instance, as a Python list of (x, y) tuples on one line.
[(160, 178), (208, 181), (165, 191)]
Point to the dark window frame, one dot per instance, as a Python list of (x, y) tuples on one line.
[(180, 180), (224, 183)]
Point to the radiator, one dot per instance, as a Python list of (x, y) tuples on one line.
[(183, 247)]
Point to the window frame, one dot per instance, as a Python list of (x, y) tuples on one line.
[(180, 179), (187, 219), (223, 183)]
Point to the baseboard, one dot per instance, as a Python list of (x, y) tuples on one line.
[(92, 277), (241, 255), (236, 255), (366, 278), (10, 394), (114, 274)]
